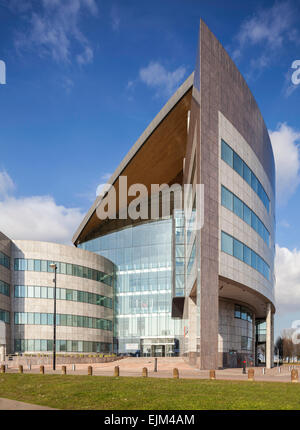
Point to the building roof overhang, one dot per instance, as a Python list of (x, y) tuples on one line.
[(156, 157)]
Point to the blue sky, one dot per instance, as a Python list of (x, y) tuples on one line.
[(84, 79)]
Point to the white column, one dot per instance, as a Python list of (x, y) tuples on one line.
[(269, 338)]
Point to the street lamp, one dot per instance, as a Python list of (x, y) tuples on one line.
[(54, 267)]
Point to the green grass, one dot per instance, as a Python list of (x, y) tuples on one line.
[(101, 392)]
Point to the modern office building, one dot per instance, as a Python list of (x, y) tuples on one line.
[(85, 292), (206, 294), (156, 285)]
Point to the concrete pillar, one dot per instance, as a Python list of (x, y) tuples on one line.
[(192, 330), (269, 337), (2, 352)]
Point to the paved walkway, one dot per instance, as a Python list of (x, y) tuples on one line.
[(13, 405), (133, 367)]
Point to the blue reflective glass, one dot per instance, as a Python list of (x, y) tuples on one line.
[(227, 243), (238, 164), (238, 249), (254, 183), (227, 198), (226, 153), (238, 207), (247, 174), (254, 260), (254, 221), (247, 215), (247, 255)]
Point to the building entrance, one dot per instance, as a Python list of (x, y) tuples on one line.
[(157, 347)]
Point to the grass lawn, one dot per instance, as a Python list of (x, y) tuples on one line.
[(101, 392)]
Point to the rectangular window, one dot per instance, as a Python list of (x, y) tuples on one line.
[(254, 260), (247, 214), (37, 265), (226, 153), (238, 164), (238, 207), (237, 311), (227, 243), (247, 174), (37, 319), (238, 250), (44, 292), (30, 265), (37, 292), (254, 182), (254, 221), (227, 198), (44, 266), (30, 318), (247, 255)]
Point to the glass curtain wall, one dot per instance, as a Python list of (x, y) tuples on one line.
[(143, 255)]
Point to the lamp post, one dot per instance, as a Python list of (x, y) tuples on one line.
[(54, 267)]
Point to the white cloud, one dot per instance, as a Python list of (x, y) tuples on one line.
[(285, 142), (36, 217), (269, 29), (287, 272), (156, 76), (54, 30)]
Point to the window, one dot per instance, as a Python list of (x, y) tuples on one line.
[(237, 311), (233, 203), (234, 160), (227, 243), (254, 183), (238, 207), (227, 153), (62, 268), (247, 174), (227, 198), (247, 255), (239, 250), (238, 164)]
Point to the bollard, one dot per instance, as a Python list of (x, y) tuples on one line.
[(2, 368), (29, 366), (90, 370), (264, 370), (117, 372), (145, 372), (212, 375), (73, 367), (155, 365), (64, 370), (279, 369), (294, 375), (175, 373), (20, 368), (42, 370), (251, 374)]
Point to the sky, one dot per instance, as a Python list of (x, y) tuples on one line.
[(84, 78)]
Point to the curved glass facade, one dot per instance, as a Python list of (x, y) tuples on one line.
[(41, 345), (33, 291), (36, 318), (143, 255), (28, 264)]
